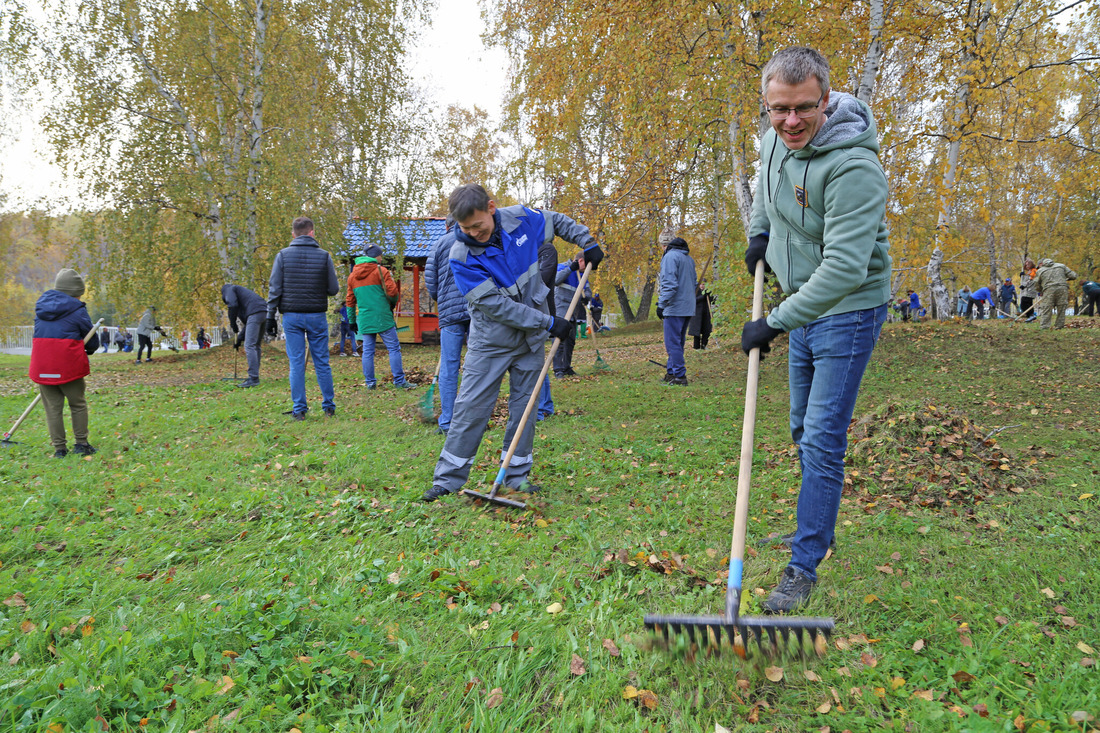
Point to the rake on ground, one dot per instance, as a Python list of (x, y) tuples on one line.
[(740, 630), (492, 496), (600, 364), (6, 440)]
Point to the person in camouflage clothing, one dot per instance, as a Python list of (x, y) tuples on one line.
[(1053, 281)]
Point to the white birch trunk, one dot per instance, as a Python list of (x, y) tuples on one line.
[(255, 147), (873, 60), (940, 295)]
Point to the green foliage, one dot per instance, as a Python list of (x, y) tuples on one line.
[(216, 559)]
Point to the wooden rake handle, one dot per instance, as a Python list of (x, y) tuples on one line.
[(744, 471), (522, 425)]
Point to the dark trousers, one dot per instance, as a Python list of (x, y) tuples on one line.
[(563, 358), (1025, 304), (970, 308), (1092, 305), (145, 342)]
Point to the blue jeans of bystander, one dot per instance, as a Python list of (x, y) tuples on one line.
[(299, 329), (451, 339), (826, 363), (675, 329), (393, 345)]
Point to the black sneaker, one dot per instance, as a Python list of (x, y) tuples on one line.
[(434, 493), (137, 361), (330, 412), (60, 453), (299, 416), (441, 431), (148, 360), (678, 381), (667, 378), (570, 373), (786, 539), (84, 449), (527, 487), (792, 592), (249, 383)]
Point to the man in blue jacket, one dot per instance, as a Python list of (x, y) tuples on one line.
[(819, 223), (676, 306), (979, 298), (303, 278), (454, 322), (495, 266)]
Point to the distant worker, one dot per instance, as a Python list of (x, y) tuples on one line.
[(963, 301), (303, 278), (701, 325), (596, 309), (59, 360), (1029, 289), (1008, 296), (548, 271), (251, 310), (914, 305), (146, 326), (566, 282), (979, 298), (1091, 291), (676, 288), (372, 296), (1053, 281)]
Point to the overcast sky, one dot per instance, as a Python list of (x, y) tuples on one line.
[(450, 63)]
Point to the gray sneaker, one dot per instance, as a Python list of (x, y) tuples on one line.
[(792, 592)]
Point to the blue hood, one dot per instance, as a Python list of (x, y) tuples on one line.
[(54, 305)]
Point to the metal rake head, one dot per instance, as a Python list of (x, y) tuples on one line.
[(772, 634), (494, 498)]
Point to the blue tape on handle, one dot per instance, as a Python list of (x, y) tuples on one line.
[(500, 475), (736, 568)]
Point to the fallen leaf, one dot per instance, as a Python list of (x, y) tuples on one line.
[(824, 707), (16, 600), (1047, 592), (227, 685), (494, 607), (230, 654), (720, 728), (1088, 662), (811, 675), (775, 674), (870, 598), (868, 659), (982, 710), (1019, 723), (496, 697), (611, 648), (648, 698), (1069, 622), (918, 645), (923, 695), (393, 578), (576, 665), (1001, 620), (27, 627), (554, 608), (1083, 647), (630, 692), (14, 659), (844, 672), (962, 677)]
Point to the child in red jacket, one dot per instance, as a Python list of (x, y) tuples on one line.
[(59, 359)]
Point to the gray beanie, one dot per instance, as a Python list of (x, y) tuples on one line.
[(69, 282)]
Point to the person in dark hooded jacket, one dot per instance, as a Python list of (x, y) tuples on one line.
[(251, 310), (59, 360)]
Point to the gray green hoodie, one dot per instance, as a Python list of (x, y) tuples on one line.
[(823, 208)]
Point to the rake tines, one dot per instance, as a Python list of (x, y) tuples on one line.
[(771, 635)]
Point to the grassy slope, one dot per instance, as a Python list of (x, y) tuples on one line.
[(215, 559)]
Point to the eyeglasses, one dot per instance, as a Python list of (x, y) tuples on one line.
[(802, 111)]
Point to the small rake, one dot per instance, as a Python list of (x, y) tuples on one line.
[(492, 496), (6, 440), (427, 402), (600, 364), (740, 630)]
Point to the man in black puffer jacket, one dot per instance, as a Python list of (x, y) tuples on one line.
[(303, 278)]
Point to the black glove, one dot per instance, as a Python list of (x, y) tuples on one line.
[(560, 328), (758, 334), (353, 326), (159, 330), (272, 327), (574, 265), (594, 255), (239, 340), (661, 313), (758, 248)]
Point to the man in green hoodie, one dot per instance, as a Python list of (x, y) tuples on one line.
[(819, 224)]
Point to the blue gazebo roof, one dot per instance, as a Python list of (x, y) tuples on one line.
[(414, 236)]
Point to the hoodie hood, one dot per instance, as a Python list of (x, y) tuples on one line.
[(848, 124), (54, 305)]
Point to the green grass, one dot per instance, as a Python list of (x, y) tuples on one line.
[(217, 559)]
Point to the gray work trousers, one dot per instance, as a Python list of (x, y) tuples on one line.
[(482, 375), (253, 340), (53, 402)]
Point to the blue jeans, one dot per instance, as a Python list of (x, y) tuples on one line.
[(346, 334), (826, 363), (546, 402), (300, 328), (451, 338), (675, 329), (393, 345)]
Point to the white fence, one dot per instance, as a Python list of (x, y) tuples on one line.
[(15, 338)]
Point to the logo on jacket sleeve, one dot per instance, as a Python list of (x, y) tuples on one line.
[(800, 196)]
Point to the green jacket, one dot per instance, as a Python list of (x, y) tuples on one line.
[(372, 295), (824, 209)]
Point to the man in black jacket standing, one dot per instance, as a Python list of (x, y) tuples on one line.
[(303, 278), (250, 309)]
